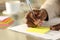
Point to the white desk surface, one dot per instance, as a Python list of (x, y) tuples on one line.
[(51, 35), (11, 35)]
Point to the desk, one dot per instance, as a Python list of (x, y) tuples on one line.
[(51, 35), (7, 34), (11, 35)]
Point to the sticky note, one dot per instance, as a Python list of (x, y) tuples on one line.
[(41, 30)]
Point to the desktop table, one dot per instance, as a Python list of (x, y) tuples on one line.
[(7, 34), (51, 35), (11, 35)]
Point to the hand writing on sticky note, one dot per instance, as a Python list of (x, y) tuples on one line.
[(36, 19)]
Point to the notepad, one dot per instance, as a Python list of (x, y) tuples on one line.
[(5, 21), (41, 30)]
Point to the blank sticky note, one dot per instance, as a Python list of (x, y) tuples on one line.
[(41, 30)]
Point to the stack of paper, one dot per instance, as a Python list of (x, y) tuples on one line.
[(41, 30), (5, 21)]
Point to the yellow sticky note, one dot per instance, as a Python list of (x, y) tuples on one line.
[(41, 30)]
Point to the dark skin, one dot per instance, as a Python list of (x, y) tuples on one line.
[(55, 27), (34, 20)]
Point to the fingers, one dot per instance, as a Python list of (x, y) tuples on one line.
[(42, 14), (30, 24), (55, 27), (34, 17), (30, 17), (30, 20)]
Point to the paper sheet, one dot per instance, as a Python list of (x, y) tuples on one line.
[(41, 30)]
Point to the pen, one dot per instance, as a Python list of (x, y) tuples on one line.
[(29, 4)]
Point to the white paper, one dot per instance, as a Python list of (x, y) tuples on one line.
[(54, 21)]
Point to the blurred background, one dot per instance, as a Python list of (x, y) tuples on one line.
[(2, 3), (23, 9)]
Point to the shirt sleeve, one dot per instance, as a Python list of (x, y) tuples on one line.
[(50, 10)]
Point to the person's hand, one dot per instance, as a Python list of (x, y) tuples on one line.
[(55, 27), (35, 17)]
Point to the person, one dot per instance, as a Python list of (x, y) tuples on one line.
[(49, 10)]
